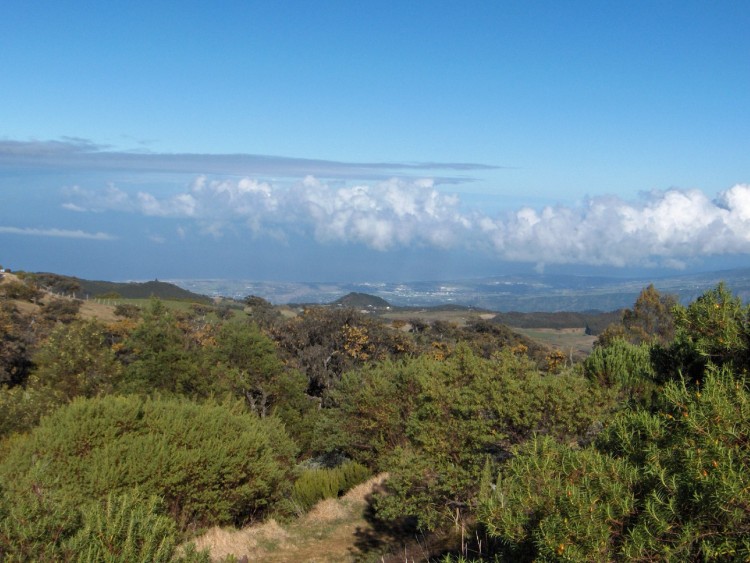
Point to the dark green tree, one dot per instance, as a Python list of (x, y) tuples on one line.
[(650, 321), (712, 331), (158, 356), (76, 361)]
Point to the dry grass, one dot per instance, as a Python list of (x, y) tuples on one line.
[(328, 533), (246, 542), (98, 311), (89, 309), (564, 339)]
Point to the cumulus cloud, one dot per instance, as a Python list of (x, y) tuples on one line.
[(663, 228), (58, 233)]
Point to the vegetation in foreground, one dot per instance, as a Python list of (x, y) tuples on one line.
[(125, 437)]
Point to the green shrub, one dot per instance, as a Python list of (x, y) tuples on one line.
[(625, 367), (432, 424), (321, 483), (124, 528), (714, 330), (212, 464), (667, 486), (76, 360), (34, 524)]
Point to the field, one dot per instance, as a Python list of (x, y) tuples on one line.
[(458, 316), (573, 340)]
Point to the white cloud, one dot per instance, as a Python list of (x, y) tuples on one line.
[(58, 233), (660, 227)]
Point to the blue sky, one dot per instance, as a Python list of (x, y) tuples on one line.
[(373, 140)]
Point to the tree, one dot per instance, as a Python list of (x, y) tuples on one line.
[(245, 362), (158, 357), (260, 311), (713, 330), (650, 321), (432, 424), (324, 343), (76, 361)]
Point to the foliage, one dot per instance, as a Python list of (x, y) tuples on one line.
[(210, 463), (127, 310), (61, 310), (623, 366), (325, 343), (432, 424), (158, 356), (260, 311), (123, 528), (21, 290), (651, 320), (316, 484), (22, 408), (714, 330), (76, 361), (668, 486), (16, 341), (34, 524), (593, 322), (245, 363), (55, 283)]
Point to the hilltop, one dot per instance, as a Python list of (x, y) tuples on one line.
[(358, 300)]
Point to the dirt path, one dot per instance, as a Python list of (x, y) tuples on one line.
[(334, 531)]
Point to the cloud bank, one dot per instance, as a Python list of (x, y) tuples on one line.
[(82, 154), (55, 233), (660, 228)]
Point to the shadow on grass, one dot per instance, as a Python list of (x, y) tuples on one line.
[(392, 541)]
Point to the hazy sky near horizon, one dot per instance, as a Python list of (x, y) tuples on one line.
[(373, 140)]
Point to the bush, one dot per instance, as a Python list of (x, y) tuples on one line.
[(76, 360), (62, 310), (23, 291), (125, 528), (432, 424), (623, 366), (127, 311), (714, 330), (321, 483), (212, 464), (34, 525), (669, 486), (21, 409)]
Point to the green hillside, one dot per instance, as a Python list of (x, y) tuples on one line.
[(81, 288)]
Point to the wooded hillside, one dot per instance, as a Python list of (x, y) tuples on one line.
[(123, 436)]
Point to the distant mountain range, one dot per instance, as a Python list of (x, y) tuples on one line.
[(524, 293)]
